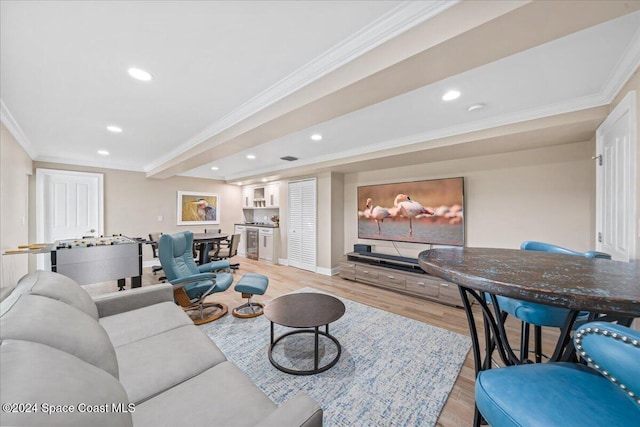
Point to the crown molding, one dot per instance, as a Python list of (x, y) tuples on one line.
[(12, 125), (623, 70), (87, 163), (402, 18)]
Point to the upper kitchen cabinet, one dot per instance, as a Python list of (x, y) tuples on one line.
[(263, 196), (247, 197), (272, 195)]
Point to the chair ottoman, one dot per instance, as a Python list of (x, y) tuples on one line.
[(249, 285)]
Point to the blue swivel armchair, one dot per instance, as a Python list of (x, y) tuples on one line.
[(193, 283), (604, 392), (540, 315)]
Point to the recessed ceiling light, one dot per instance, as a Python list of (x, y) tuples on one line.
[(475, 107), (264, 179), (451, 95), (103, 152), (316, 137), (114, 129), (139, 74), (214, 168), (239, 183), (251, 156)]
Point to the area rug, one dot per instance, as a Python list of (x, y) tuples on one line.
[(393, 371)]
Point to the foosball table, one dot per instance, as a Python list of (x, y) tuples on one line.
[(99, 259)]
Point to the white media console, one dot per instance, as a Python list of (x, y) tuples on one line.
[(399, 274)]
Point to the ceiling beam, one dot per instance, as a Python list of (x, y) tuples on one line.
[(567, 128), (465, 36)]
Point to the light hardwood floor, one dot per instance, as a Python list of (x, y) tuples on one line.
[(458, 410)]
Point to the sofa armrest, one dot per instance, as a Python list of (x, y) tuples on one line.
[(301, 410), (131, 299)]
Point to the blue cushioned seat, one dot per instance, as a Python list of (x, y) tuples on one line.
[(553, 394), (193, 283), (569, 394), (250, 284), (223, 282)]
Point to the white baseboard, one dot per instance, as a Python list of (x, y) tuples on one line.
[(319, 270), (150, 263), (328, 271)]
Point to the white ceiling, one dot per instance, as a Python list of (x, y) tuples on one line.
[(63, 79)]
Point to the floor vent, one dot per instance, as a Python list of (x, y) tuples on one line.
[(289, 158)]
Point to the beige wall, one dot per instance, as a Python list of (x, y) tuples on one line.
[(634, 84), (15, 168), (337, 218), (132, 202), (323, 220), (543, 194), (330, 221)]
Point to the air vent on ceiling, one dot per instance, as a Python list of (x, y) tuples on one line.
[(289, 158)]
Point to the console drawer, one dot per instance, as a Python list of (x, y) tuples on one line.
[(347, 270), (366, 274), (449, 293), (392, 280), (423, 286)]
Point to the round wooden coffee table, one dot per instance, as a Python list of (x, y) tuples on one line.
[(304, 310)]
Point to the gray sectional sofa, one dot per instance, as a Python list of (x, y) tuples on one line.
[(121, 359)]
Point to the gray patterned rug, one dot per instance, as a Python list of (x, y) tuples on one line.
[(393, 371)]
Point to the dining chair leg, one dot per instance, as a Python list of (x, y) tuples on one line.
[(524, 343), (538, 339), (478, 420)]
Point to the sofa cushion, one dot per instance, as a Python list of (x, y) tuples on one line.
[(154, 364), (222, 396), (38, 374), (56, 324), (134, 325), (59, 287)]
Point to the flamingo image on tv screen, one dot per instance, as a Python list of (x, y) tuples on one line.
[(430, 211)]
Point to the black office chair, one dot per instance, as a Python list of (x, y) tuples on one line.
[(154, 238), (227, 249)]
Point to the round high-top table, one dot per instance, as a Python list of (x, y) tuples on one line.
[(609, 290), (304, 310)]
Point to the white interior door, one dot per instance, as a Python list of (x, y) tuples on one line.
[(616, 182), (294, 225), (68, 205), (302, 228), (309, 225)]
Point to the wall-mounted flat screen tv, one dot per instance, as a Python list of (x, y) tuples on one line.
[(430, 211)]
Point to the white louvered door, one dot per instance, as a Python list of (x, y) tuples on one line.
[(302, 225)]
